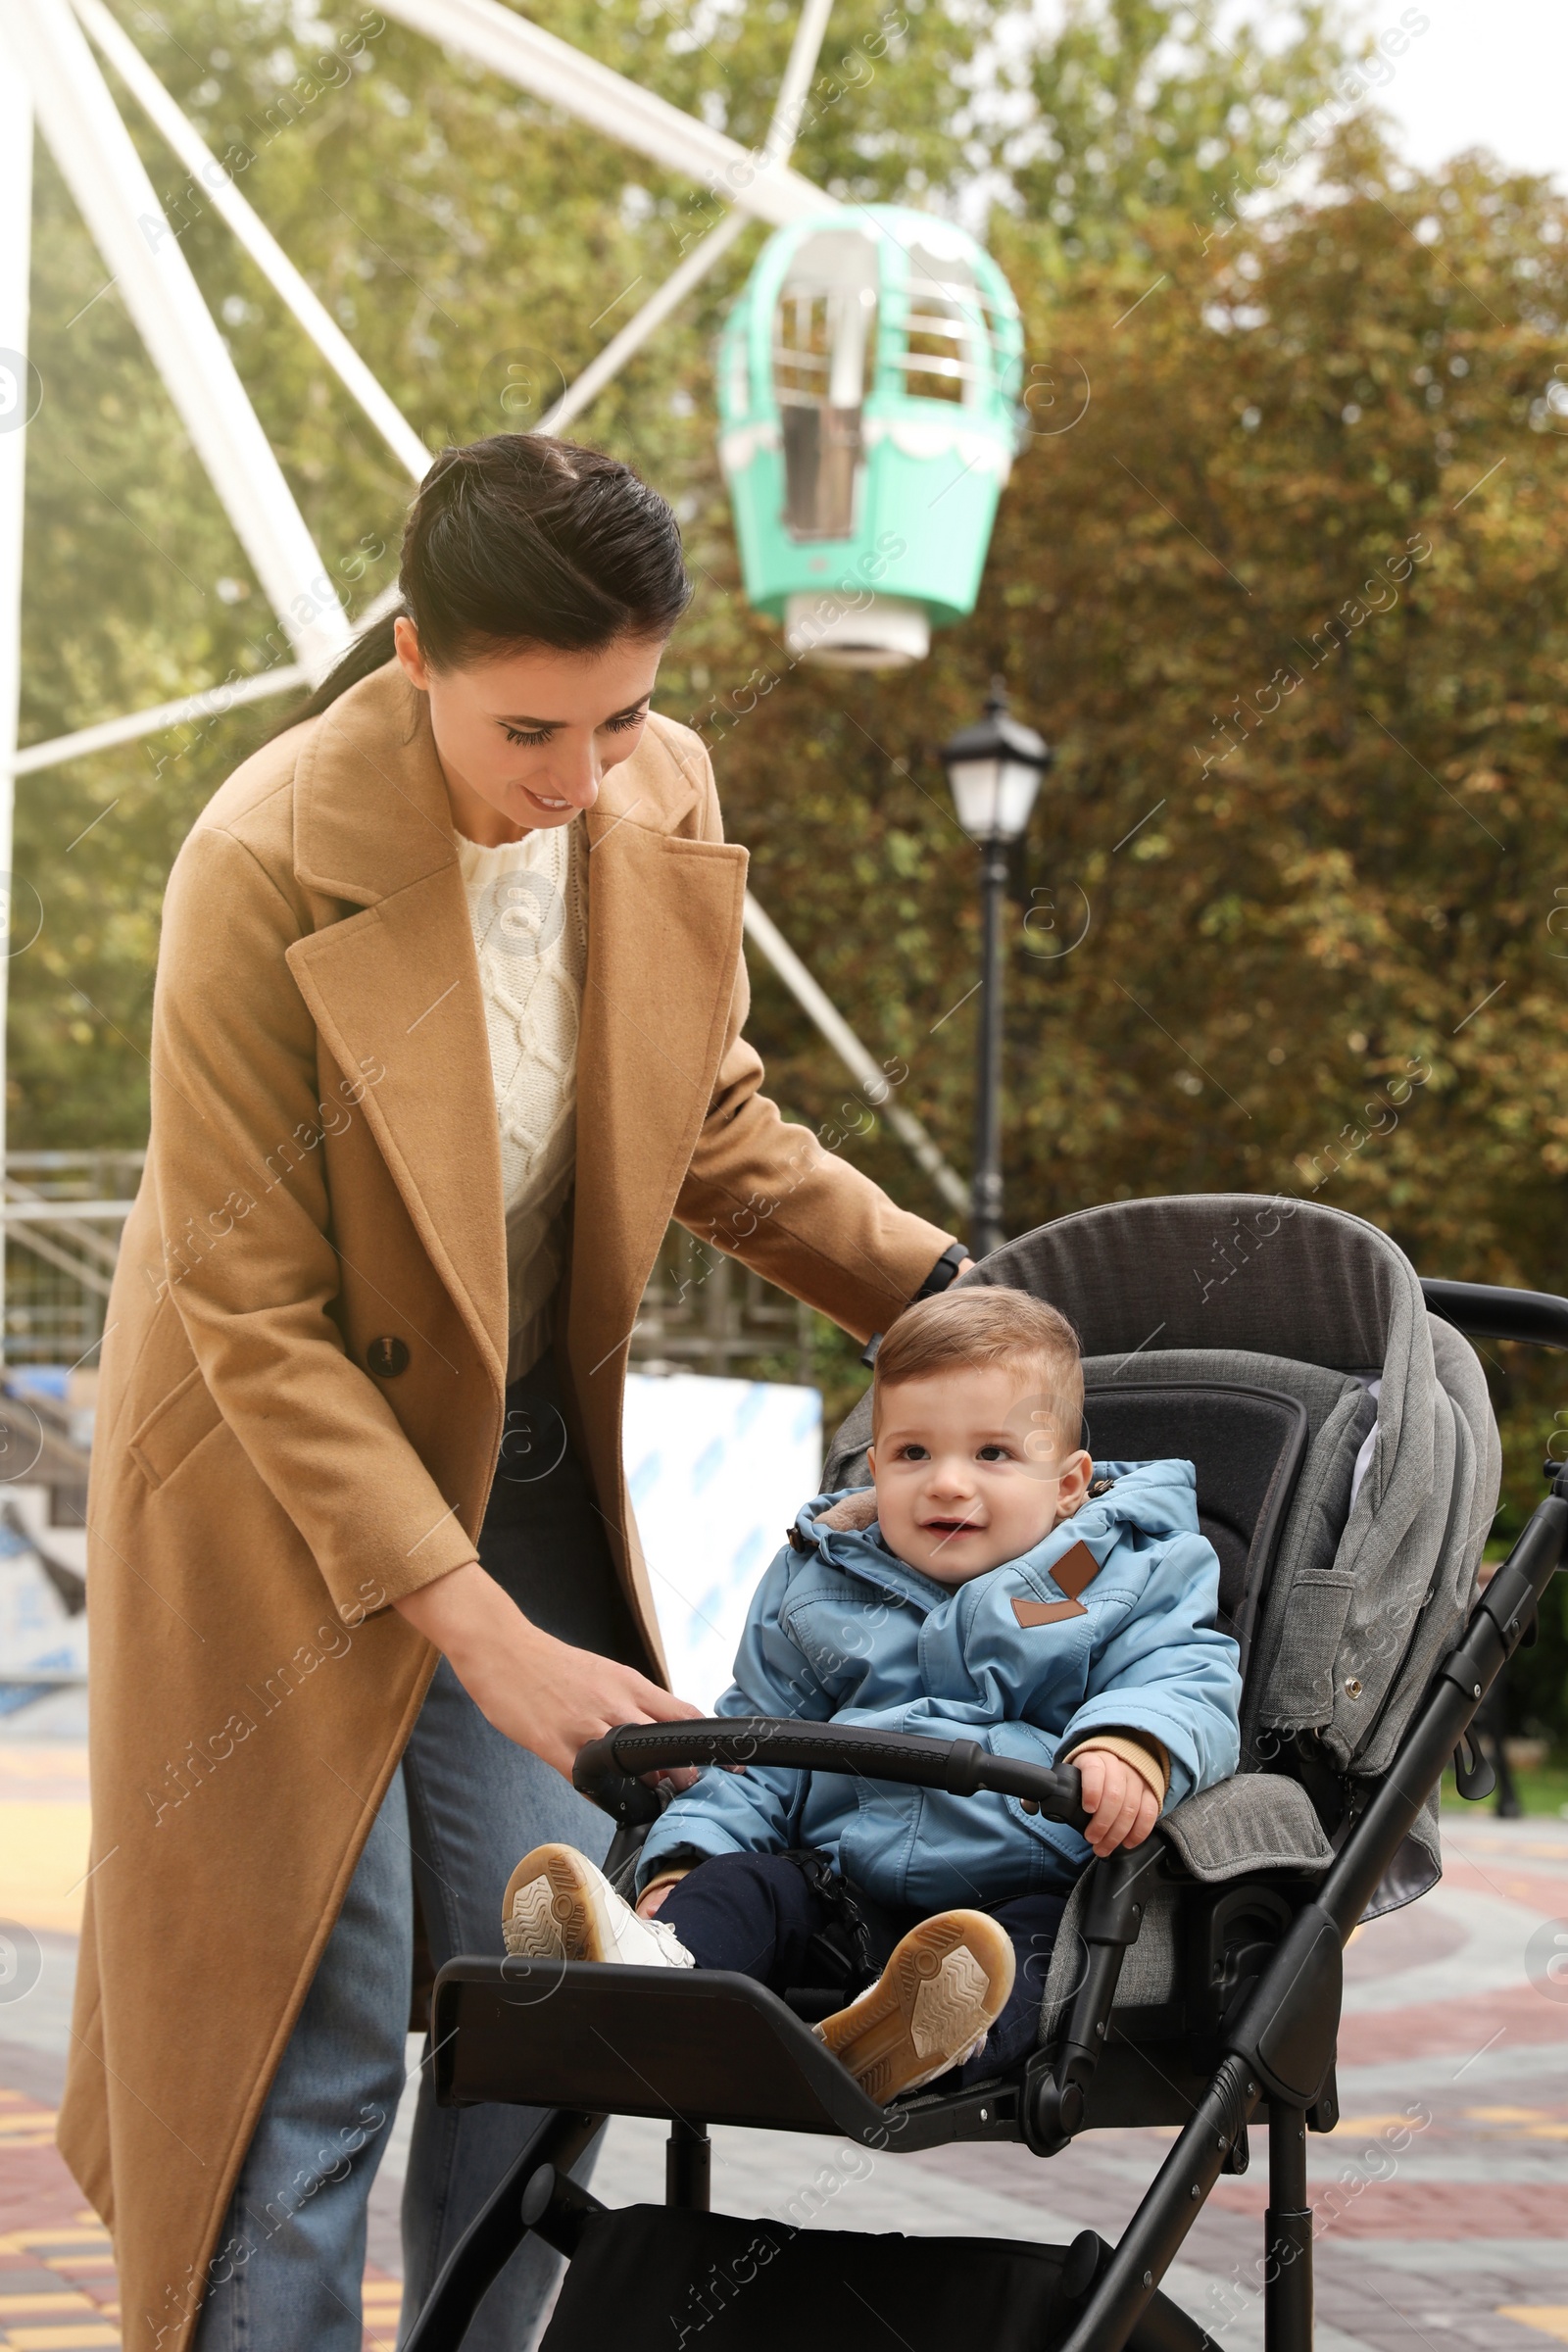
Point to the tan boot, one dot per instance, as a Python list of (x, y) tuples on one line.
[(931, 2008)]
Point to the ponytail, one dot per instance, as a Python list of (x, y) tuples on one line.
[(370, 650)]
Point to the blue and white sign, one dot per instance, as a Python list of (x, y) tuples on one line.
[(718, 1470), (43, 1619)]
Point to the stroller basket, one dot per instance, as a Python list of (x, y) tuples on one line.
[(1347, 1467)]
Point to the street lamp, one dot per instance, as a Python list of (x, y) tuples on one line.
[(993, 769)]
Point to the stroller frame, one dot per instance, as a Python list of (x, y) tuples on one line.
[(736, 2053)]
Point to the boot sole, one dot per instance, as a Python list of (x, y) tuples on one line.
[(549, 1912), (946, 1985)]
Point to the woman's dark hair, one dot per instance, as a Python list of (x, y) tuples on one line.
[(524, 540)]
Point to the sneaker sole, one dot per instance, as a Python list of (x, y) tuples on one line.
[(549, 1912), (945, 1987)]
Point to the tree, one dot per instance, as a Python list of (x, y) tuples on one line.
[(1141, 110)]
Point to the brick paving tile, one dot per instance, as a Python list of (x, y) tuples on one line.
[(56, 2271), (1550, 2319), (1541, 1892), (57, 2281), (1452, 2028), (1437, 2209)]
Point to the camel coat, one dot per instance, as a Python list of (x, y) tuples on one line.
[(324, 1179)]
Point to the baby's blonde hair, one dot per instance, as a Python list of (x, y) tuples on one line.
[(975, 1329)]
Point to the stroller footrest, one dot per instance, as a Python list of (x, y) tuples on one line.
[(697, 2043)]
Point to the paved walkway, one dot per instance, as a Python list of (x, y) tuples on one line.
[(1442, 2199)]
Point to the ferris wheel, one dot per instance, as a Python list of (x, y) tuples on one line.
[(868, 394)]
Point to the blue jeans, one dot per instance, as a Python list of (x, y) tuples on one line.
[(464, 1806)]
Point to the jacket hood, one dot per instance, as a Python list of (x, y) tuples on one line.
[(1150, 1498)]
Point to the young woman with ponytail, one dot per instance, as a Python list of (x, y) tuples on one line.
[(448, 1026)]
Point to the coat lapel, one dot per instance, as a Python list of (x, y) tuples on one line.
[(395, 990), (395, 993)]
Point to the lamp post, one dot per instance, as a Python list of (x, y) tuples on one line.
[(993, 771)]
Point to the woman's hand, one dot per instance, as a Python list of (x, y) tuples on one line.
[(1122, 1807), (540, 1693)]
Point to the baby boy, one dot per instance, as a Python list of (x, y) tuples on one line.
[(991, 1585)]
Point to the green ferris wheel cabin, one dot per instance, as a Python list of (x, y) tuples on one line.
[(868, 402)]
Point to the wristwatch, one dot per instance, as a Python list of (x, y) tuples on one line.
[(943, 1272)]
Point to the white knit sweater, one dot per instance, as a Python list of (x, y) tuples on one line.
[(529, 904)]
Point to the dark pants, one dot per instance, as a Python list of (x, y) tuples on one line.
[(760, 1915)]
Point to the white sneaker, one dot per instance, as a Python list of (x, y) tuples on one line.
[(561, 1906)]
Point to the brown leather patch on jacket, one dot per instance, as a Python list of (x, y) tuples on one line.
[(1075, 1569), (1047, 1612), (1072, 1571)]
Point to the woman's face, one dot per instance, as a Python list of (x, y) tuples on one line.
[(524, 739)]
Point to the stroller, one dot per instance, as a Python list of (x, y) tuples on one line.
[(1348, 1468)]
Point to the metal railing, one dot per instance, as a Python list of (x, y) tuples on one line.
[(703, 1313), (63, 1212)]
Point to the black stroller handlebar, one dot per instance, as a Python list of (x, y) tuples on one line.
[(1484, 1312), (608, 1769)]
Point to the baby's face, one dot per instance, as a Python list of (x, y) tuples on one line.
[(969, 1471)]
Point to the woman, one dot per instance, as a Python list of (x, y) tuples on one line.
[(447, 1028)]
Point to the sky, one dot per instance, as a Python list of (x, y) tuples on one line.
[(1483, 73)]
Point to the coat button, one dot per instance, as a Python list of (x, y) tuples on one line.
[(387, 1357)]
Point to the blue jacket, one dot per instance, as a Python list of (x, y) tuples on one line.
[(842, 1631)]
